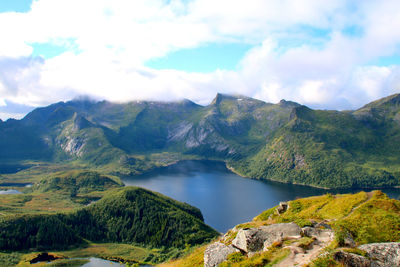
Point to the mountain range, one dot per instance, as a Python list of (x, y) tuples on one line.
[(285, 142)]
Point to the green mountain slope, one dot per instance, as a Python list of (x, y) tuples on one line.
[(128, 215), (284, 142)]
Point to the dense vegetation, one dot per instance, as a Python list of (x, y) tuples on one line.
[(128, 215), (285, 142)]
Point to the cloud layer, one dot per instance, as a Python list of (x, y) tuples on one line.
[(321, 53)]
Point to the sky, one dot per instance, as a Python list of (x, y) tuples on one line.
[(324, 54)]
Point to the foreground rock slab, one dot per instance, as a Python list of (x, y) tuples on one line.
[(385, 254), (260, 238), (216, 253)]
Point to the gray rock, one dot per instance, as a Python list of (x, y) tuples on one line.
[(322, 225), (256, 239), (349, 241), (216, 253), (249, 240), (353, 260), (283, 206), (386, 254), (310, 231)]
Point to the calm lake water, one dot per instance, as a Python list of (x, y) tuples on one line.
[(96, 262), (9, 192), (224, 198)]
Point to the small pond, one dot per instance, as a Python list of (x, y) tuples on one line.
[(9, 192)]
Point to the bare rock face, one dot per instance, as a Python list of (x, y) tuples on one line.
[(349, 241), (260, 238), (318, 233), (216, 253), (249, 240), (283, 206), (386, 254), (353, 260)]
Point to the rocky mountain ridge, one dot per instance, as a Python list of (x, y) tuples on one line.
[(284, 142)]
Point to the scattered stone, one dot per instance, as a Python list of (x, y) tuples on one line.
[(322, 225), (310, 231), (260, 238), (349, 241), (216, 253), (317, 233), (386, 254), (283, 206), (353, 260)]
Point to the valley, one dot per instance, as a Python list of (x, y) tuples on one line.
[(76, 166)]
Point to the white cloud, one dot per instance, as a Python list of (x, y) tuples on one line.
[(108, 42)]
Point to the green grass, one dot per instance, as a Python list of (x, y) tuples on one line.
[(368, 217), (269, 258)]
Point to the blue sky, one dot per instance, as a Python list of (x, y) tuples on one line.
[(205, 58), (15, 5), (334, 55)]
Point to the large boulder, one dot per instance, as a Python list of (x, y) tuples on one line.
[(353, 260), (216, 253), (386, 254), (322, 234), (282, 207), (259, 238)]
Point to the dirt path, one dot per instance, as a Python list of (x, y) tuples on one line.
[(369, 196), (301, 257)]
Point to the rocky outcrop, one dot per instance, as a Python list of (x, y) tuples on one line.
[(385, 254), (282, 207), (318, 233), (378, 255), (216, 253), (353, 260), (260, 238), (74, 145)]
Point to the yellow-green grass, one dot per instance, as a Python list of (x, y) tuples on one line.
[(341, 205), (10, 259), (376, 220), (321, 207), (35, 203), (269, 258), (196, 258), (369, 217), (123, 252), (111, 251)]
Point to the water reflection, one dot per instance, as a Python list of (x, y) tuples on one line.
[(9, 192)]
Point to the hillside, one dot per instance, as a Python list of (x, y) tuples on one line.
[(284, 142), (128, 215), (328, 230)]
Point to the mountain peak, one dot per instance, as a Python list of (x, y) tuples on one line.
[(389, 100), (285, 103), (223, 97), (187, 103), (81, 122), (217, 99), (386, 104)]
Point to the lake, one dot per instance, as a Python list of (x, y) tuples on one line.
[(13, 168), (9, 192), (224, 198)]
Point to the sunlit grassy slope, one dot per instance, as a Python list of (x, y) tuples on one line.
[(368, 217)]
